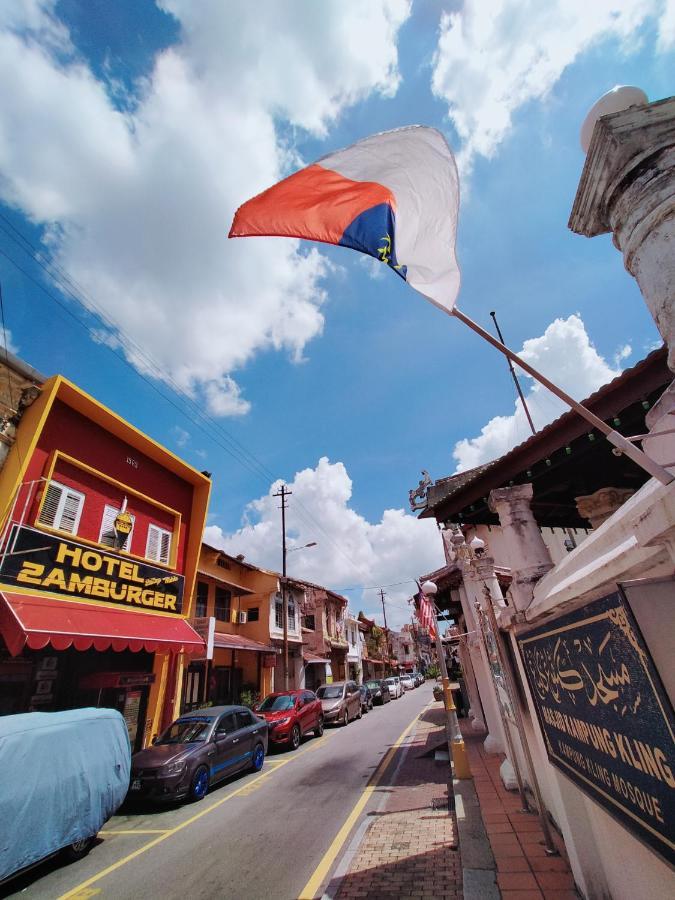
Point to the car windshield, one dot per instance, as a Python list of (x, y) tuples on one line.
[(276, 704), (330, 692), (373, 685), (185, 731), (391, 681)]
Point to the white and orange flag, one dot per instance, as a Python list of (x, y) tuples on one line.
[(393, 196)]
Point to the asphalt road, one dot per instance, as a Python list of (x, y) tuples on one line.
[(254, 836)]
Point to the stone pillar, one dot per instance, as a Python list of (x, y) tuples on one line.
[(527, 554), (627, 187), (602, 504)]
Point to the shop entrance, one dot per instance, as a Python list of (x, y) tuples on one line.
[(225, 685), (127, 692)]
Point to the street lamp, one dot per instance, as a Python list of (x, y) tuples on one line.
[(284, 601), (456, 748)]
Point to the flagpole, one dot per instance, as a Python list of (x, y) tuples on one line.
[(618, 440)]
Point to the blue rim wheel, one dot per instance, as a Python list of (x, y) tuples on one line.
[(200, 784), (258, 758)]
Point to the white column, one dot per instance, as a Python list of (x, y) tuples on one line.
[(527, 554), (627, 187)]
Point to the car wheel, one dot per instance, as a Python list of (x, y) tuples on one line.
[(258, 757), (345, 718), (318, 731), (78, 849), (199, 785), (295, 737)]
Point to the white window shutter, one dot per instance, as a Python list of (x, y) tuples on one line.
[(70, 513), (153, 543), (159, 544), (108, 534), (165, 548), (50, 507)]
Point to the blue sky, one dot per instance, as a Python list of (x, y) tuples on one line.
[(133, 130)]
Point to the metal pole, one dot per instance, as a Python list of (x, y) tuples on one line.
[(456, 748), (511, 687), (386, 630), (618, 440), (514, 376)]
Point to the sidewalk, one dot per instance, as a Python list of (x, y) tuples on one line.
[(412, 845)]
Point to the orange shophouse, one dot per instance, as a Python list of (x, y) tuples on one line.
[(100, 539)]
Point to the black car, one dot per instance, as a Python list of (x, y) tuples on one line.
[(366, 697), (197, 750), (379, 691)]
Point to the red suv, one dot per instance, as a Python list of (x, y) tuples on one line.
[(290, 715)]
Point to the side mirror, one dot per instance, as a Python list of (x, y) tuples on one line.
[(255, 707), (154, 740)]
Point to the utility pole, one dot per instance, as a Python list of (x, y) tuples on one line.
[(283, 493), (514, 376), (386, 630)]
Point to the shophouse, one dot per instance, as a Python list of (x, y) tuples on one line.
[(231, 609), (374, 649), (99, 546), (405, 649), (325, 643)]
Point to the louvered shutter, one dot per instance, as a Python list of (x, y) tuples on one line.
[(70, 512), (159, 544), (50, 507)]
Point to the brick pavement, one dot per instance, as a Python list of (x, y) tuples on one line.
[(524, 871), (410, 848)]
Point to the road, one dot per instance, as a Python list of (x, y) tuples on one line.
[(256, 836)]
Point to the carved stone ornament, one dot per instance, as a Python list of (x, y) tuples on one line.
[(602, 504), (418, 497)]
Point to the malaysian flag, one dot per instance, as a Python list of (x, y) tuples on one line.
[(425, 614)]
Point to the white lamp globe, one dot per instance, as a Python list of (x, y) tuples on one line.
[(477, 543), (429, 588)]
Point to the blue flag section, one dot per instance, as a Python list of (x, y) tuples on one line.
[(606, 718), (373, 232)]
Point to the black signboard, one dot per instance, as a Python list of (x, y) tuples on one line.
[(45, 562), (606, 718)]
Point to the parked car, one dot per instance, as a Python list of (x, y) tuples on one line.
[(197, 750), (420, 678), (407, 682), (366, 698), (341, 701), (394, 685), (64, 774), (380, 691), (291, 715)]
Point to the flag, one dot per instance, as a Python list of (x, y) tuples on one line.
[(393, 196), (425, 614)]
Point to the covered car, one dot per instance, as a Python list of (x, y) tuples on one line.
[(64, 774)]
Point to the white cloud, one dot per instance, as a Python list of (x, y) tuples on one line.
[(9, 342), (136, 199), (494, 56), (350, 550), (565, 354), (621, 354), (180, 436), (374, 267)]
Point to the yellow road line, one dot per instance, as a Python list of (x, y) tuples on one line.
[(134, 831), (311, 888), (76, 892)]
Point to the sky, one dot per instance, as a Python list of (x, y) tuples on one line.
[(131, 131)]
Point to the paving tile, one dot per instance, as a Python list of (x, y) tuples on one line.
[(555, 880), (522, 895), (522, 881), (513, 864)]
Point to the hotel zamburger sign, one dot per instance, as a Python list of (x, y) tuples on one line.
[(35, 559), (606, 718)]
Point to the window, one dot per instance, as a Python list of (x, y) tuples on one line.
[(227, 725), (244, 719), (278, 612), (159, 544), (309, 622), (62, 508), (223, 563), (253, 614), (202, 599), (108, 535), (406, 649), (223, 602), (291, 613)]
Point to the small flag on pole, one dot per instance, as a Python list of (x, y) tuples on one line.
[(425, 614), (393, 196)]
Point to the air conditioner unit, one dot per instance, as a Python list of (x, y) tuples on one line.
[(243, 618)]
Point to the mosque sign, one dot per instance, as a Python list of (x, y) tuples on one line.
[(606, 718)]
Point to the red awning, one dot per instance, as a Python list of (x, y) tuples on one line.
[(34, 621), (239, 642), (313, 658)]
